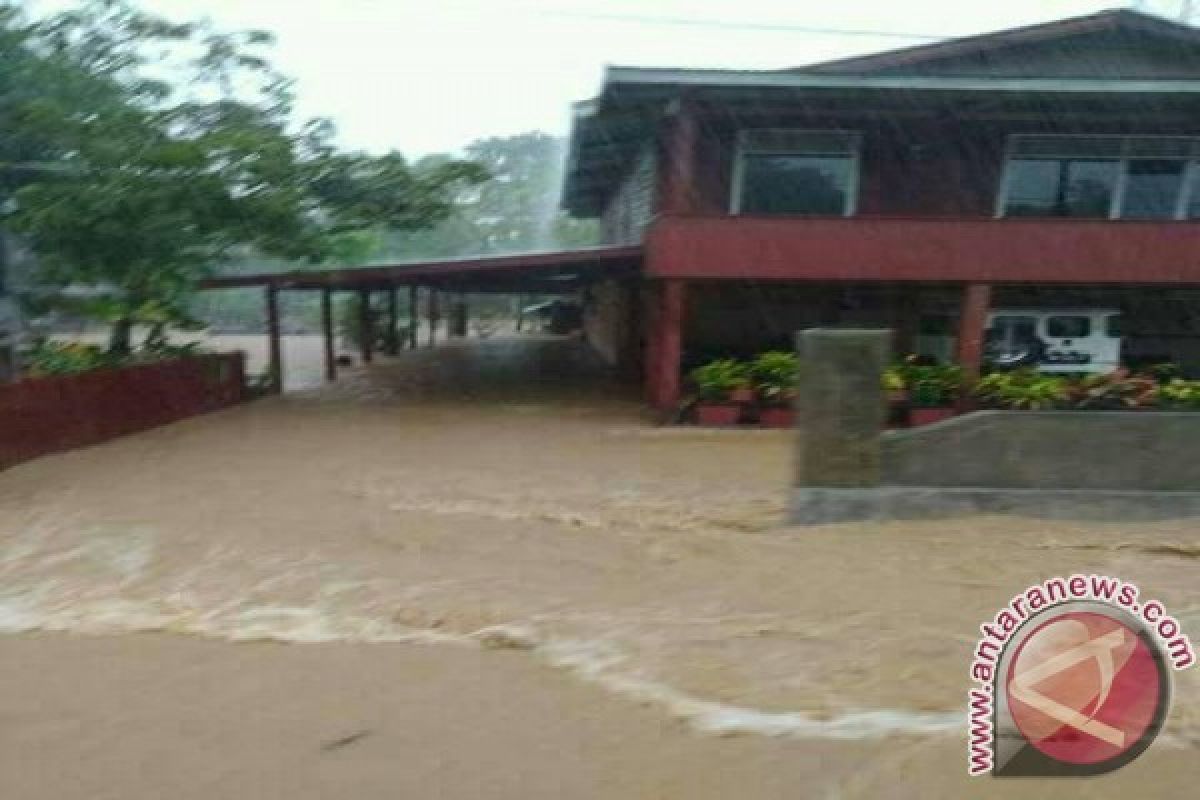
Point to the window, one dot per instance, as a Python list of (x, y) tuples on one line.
[(1192, 209), (1061, 188), (1068, 327), (1125, 177), (796, 172), (1152, 188)]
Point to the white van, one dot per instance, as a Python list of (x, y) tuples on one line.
[(1054, 340)]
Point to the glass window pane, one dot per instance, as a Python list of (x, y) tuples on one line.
[(795, 184), (1152, 189), (1069, 327), (1060, 187), (1012, 329), (1089, 188), (1193, 209), (1032, 188)]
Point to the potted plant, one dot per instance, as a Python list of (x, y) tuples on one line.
[(1023, 389), (774, 377), (1117, 391), (720, 387), (1180, 395), (932, 392), (895, 386)]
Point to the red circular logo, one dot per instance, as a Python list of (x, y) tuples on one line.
[(1085, 688)]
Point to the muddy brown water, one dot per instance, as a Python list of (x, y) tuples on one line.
[(509, 494)]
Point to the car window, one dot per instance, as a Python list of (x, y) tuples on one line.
[(1072, 327)]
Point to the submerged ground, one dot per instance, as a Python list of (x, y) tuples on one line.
[(479, 571)]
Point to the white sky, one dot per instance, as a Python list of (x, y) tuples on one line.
[(431, 75)]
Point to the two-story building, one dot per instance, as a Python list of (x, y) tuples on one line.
[(1056, 165)]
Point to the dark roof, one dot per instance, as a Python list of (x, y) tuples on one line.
[(1114, 20), (543, 272)]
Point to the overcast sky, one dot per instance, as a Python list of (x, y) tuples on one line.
[(431, 76)]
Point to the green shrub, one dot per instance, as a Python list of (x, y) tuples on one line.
[(717, 380), (48, 357), (1023, 389), (1180, 394), (928, 385), (774, 376), (893, 379)]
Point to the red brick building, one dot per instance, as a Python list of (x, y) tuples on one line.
[(1050, 166)]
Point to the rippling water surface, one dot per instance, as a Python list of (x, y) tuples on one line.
[(472, 498)]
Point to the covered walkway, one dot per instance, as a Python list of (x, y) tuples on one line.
[(428, 284), (533, 370)]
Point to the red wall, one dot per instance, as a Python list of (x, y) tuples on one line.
[(47, 415), (931, 249)]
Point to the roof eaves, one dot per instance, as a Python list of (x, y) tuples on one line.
[(1111, 19), (753, 79)]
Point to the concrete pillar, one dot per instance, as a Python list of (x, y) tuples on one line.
[(840, 407), (274, 344), (327, 335)]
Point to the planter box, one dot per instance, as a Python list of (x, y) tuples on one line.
[(927, 416), (718, 415), (777, 417)]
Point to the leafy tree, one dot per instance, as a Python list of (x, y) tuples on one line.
[(515, 211), (155, 183)]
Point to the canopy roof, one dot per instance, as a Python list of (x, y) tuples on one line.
[(542, 273)]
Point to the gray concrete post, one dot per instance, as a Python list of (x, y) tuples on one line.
[(840, 408)]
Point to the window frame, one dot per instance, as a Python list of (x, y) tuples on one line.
[(742, 149), (1191, 172)]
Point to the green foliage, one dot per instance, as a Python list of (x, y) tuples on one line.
[(929, 385), (515, 211), (1163, 373), (717, 380), (51, 357), (66, 358), (1023, 389), (893, 379), (145, 186), (774, 376), (1179, 394)]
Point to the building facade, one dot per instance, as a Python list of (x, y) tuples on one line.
[(1054, 166)]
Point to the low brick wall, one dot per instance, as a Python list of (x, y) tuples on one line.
[(47, 415), (1120, 450)]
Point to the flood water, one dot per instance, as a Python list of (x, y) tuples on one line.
[(511, 494)]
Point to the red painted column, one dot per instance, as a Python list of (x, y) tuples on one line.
[(972, 324), (678, 157), (664, 345)]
